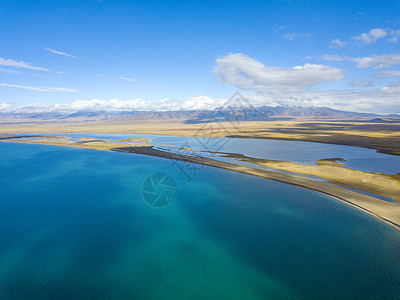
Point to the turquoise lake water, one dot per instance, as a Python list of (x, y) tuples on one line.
[(74, 225)]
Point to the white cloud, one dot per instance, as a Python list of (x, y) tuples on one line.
[(201, 102), (127, 79), (337, 44), (362, 83), (20, 64), (39, 89), (5, 107), (378, 100), (115, 105), (60, 53), (242, 71), (94, 104), (80, 105), (388, 74), (374, 61), (371, 37), (378, 61), (274, 86), (293, 35), (392, 89), (262, 85)]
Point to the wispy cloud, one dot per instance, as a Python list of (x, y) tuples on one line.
[(362, 83), (39, 89), (293, 35), (9, 71), (334, 57), (395, 36), (60, 53), (61, 89), (105, 77), (374, 61), (127, 79), (337, 44), (32, 88), (388, 74), (19, 64)]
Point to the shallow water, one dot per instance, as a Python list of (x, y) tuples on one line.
[(74, 225), (309, 153)]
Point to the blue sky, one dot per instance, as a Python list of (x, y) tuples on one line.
[(195, 54)]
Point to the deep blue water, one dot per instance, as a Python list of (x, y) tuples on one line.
[(74, 225)]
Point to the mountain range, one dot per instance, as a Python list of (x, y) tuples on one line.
[(198, 116)]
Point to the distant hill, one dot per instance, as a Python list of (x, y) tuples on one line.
[(200, 116), (387, 119), (279, 112)]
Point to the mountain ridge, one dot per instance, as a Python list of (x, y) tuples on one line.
[(199, 116)]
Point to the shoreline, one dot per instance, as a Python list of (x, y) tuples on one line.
[(388, 212), (381, 137), (382, 150)]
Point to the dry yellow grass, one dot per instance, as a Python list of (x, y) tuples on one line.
[(383, 137), (378, 184)]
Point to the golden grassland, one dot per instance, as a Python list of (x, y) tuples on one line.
[(384, 137), (84, 142), (379, 184)]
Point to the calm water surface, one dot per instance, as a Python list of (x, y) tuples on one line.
[(299, 152), (74, 225)]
